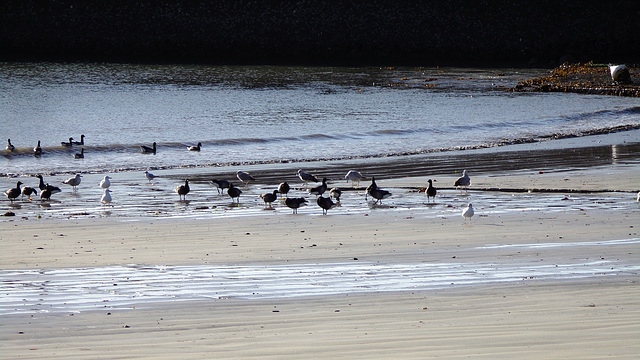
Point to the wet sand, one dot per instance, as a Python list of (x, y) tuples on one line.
[(566, 316)]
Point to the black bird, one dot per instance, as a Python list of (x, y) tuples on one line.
[(81, 142), (194, 148), (43, 186), (10, 147), (319, 190), (268, 198), (234, 192), (371, 187), (431, 191), (220, 184), (37, 150), (183, 190), (27, 190), (13, 192), (284, 188), (79, 155), (48, 190), (295, 203), (148, 150), (379, 194), (325, 203), (70, 143)]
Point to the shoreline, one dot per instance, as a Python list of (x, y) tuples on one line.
[(507, 145)]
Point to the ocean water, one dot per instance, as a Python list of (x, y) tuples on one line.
[(263, 115)]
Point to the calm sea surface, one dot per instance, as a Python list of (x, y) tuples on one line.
[(271, 114)]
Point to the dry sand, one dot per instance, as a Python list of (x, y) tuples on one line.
[(590, 318)]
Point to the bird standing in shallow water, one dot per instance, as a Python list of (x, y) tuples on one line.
[(319, 190), (106, 197), (379, 194), (354, 177), (13, 193), (306, 177), (220, 184), (430, 191), (295, 203), (26, 190), (464, 180), (74, 181), (9, 146), (284, 188), (467, 213), (335, 193), (43, 186), (245, 177), (268, 198), (149, 176), (105, 183), (370, 188), (183, 190), (48, 191), (234, 192), (325, 203)]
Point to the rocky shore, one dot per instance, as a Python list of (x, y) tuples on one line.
[(583, 78)]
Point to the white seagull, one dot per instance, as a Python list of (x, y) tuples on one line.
[(467, 213), (105, 183), (245, 177), (74, 181), (106, 197), (306, 177), (149, 176), (464, 180), (354, 177)]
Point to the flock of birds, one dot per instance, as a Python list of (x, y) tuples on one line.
[(37, 150), (324, 202)]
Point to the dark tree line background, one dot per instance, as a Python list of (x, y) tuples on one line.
[(315, 32)]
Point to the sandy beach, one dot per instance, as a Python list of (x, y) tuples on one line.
[(591, 316)]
